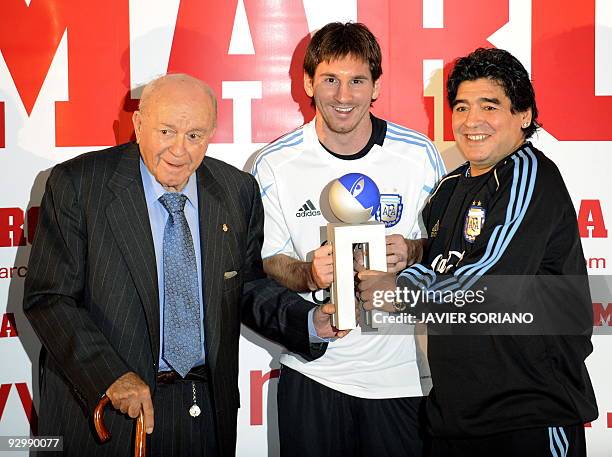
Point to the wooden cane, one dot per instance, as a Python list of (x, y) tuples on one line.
[(104, 435)]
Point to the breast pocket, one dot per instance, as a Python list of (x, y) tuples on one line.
[(231, 279)]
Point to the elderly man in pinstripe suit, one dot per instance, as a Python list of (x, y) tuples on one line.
[(103, 292)]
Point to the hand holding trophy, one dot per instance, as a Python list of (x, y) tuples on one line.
[(354, 199)]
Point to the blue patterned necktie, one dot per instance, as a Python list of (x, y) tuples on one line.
[(182, 322)]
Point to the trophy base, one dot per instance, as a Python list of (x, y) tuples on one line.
[(342, 237)]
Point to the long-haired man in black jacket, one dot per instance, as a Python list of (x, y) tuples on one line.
[(504, 218)]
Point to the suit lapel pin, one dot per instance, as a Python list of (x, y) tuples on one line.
[(225, 227)]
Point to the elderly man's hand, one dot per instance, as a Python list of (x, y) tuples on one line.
[(323, 324), (130, 394), (376, 290)]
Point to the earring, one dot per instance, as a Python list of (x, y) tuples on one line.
[(525, 125)]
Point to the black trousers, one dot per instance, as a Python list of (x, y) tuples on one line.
[(316, 421), (566, 441), (176, 432)]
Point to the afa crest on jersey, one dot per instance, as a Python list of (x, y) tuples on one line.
[(390, 210), (474, 220)]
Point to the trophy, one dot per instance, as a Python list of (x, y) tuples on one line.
[(354, 198)]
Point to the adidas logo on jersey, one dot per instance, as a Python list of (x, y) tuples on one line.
[(307, 210)]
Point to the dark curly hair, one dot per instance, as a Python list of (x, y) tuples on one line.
[(337, 40), (505, 69)]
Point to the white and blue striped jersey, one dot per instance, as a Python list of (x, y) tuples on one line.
[(293, 173)]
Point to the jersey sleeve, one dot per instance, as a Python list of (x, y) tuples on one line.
[(522, 226), (277, 239)]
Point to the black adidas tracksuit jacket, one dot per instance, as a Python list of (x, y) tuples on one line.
[(517, 219)]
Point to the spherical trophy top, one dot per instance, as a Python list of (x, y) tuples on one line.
[(354, 198)]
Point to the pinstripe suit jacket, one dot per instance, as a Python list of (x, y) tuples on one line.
[(91, 292)]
